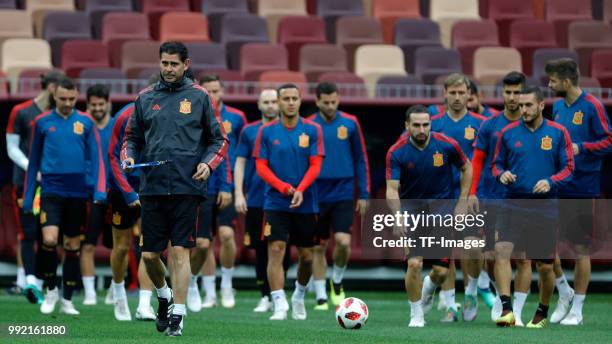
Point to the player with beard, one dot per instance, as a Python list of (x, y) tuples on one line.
[(420, 167), (586, 119), (533, 158), (485, 187), (99, 222)]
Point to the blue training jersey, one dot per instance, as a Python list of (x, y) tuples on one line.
[(427, 173), (254, 186), (489, 133), (464, 131), (346, 159), (545, 153), (59, 150), (288, 152), (588, 125), (105, 136), (234, 121)]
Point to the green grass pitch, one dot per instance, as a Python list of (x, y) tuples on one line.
[(388, 323)]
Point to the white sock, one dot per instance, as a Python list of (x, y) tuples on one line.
[(193, 282), (416, 309), (484, 280), (88, 284), (319, 286), (338, 273), (472, 286), (519, 302), (208, 282), (31, 280), (119, 290), (299, 292), (449, 298), (577, 304), (161, 292), (279, 299), (226, 277), (39, 284), (179, 309), (562, 286), (428, 285), (144, 298), (20, 277)]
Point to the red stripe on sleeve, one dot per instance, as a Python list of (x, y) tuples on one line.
[(454, 143), (363, 148), (402, 141), (566, 172), (496, 171), (603, 120), (118, 127)]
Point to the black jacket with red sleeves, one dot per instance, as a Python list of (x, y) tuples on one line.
[(178, 122)]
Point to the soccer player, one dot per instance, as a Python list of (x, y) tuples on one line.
[(63, 140), (485, 187), (18, 132), (125, 206), (461, 125), (98, 223), (475, 105), (345, 164), (532, 158), (420, 166), (173, 121), (249, 192), (589, 127), (289, 153), (233, 121)]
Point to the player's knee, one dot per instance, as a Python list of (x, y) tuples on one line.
[(415, 265), (72, 243), (523, 264), (320, 249), (88, 249), (343, 242), (202, 244), (226, 234), (439, 272), (582, 251), (122, 248), (150, 257), (305, 255), (545, 267)]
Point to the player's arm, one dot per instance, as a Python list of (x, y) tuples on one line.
[(114, 157), (393, 174), (224, 198), (134, 136), (94, 150), (565, 158), (362, 170), (240, 202), (498, 165), (600, 125), (262, 166), (12, 141), (33, 167), (217, 142), (317, 152)]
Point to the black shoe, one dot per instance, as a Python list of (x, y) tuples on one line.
[(163, 310), (176, 326)]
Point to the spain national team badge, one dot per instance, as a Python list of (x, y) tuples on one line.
[(438, 159), (247, 239), (342, 132), (546, 143), (43, 217), (227, 125), (267, 229), (469, 133), (77, 128), (116, 218), (577, 120), (185, 107), (304, 141)]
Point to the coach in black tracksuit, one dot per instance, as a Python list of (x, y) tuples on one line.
[(173, 120)]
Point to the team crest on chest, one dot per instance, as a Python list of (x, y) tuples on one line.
[(546, 143), (185, 107), (577, 120), (342, 132), (438, 159), (77, 128), (116, 218), (469, 133), (304, 140), (227, 125)]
